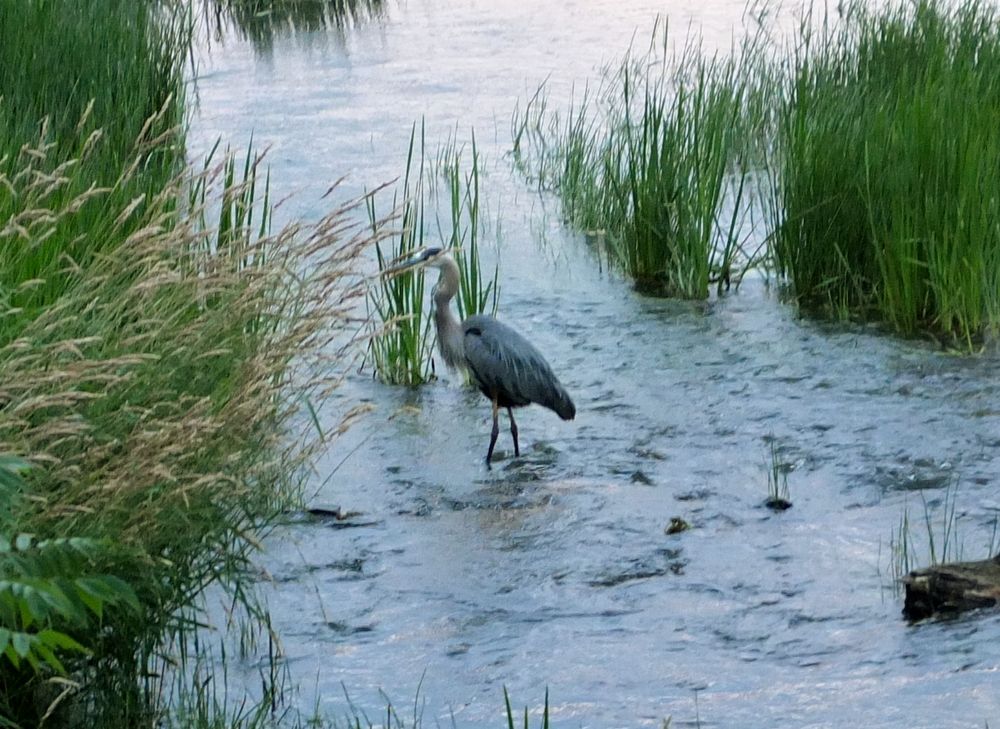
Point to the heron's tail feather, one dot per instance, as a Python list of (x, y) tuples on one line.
[(563, 405)]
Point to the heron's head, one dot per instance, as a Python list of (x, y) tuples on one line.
[(448, 282), (434, 257)]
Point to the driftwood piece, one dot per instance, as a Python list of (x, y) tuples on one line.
[(946, 589)]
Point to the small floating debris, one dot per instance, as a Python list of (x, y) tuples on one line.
[(641, 478), (778, 503), (346, 629), (676, 526), (337, 517), (331, 512)]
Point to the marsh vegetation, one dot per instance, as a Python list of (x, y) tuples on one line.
[(883, 200), (152, 329), (167, 348), (438, 204), (261, 21), (842, 149), (650, 164)]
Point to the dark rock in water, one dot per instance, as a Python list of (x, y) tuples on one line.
[(947, 589), (676, 526), (640, 477), (345, 629), (776, 503)]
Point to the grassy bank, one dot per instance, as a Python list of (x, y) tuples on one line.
[(887, 160), (157, 348), (154, 399)]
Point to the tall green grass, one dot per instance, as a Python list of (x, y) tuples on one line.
[(157, 344), (89, 90), (654, 162), (478, 288), (939, 543), (887, 164), (400, 350), (439, 207), (874, 139)]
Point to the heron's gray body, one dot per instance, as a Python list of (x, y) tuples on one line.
[(505, 365)]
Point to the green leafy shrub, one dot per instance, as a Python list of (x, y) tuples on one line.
[(53, 597)]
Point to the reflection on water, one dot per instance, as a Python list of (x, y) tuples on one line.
[(555, 569), (259, 22)]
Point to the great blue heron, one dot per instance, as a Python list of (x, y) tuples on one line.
[(505, 365)]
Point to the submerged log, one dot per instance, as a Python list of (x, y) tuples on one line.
[(947, 589)]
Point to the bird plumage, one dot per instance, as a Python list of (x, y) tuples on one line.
[(506, 367)]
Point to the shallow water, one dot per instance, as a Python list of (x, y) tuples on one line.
[(554, 569)]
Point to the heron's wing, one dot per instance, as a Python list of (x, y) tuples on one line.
[(507, 366)]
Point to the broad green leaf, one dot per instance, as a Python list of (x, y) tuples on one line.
[(57, 639), (11, 652), (108, 588), (29, 597), (123, 592), (32, 657), (11, 468), (93, 602), (56, 599), (21, 643), (48, 657)]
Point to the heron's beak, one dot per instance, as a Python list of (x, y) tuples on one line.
[(412, 262), (400, 266)]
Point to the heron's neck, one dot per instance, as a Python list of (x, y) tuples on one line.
[(449, 329)]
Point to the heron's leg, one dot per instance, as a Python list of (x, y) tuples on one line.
[(495, 433), (513, 431)]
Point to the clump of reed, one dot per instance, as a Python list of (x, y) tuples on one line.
[(778, 494), (400, 350), (440, 206), (875, 141), (160, 397), (886, 160), (940, 540), (478, 289), (655, 163)]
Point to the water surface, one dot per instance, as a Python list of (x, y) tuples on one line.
[(553, 570)]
